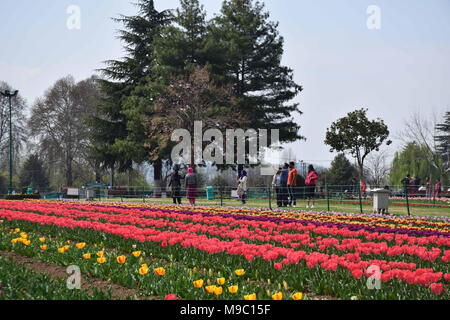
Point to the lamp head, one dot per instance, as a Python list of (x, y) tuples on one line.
[(15, 93)]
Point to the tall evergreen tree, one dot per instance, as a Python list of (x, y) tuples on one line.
[(33, 174), (443, 141), (180, 49), (120, 135), (245, 50), (341, 171)]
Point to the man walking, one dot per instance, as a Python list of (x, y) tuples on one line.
[(292, 184)]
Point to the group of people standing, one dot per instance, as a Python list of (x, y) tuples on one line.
[(285, 183), (190, 183), (413, 185)]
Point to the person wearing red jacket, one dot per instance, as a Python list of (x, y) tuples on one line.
[(437, 189), (310, 183)]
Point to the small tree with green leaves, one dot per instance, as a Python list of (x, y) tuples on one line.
[(358, 136)]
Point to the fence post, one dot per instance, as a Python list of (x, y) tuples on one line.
[(221, 196), (360, 198), (270, 198), (407, 199), (328, 197)]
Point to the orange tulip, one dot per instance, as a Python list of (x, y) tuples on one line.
[(66, 248), (218, 291), (239, 272), (44, 247), (233, 289), (221, 281), (277, 296), (137, 254), (297, 296), (160, 271), (100, 254), (101, 260), (210, 289), (198, 283), (121, 259), (143, 270), (250, 297), (80, 245), (86, 256), (61, 250)]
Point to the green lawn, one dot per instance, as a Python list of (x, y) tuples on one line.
[(301, 205)]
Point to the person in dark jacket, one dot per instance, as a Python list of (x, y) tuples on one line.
[(175, 184), (284, 175), (191, 186)]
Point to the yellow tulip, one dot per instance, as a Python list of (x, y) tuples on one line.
[(14, 241), (42, 239), (61, 250), (218, 291), (239, 272), (66, 248), (137, 254), (100, 254), (121, 259), (160, 271), (250, 297), (210, 289), (86, 256), (23, 235), (277, 296), (44, 247), (80, 245), (17, 230), (101, 260), (143, 270), (233, 289), (297, 296), (221, 281), (198, 283)]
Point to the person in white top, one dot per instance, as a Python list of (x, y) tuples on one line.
[(242, 186), (276, 182)]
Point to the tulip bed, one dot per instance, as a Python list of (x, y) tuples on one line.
[(235, 253)]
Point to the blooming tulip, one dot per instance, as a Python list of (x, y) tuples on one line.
[(239, 272), (297, 296), (171, 297), (210, 289), (80, 245), (86, 256), (250, 296), (233, 289), (101, 260), (61, 250), (143, 270), (42, 239), (121, 259), (198, 283), (277, 296), (221, 281), (218, 291), (137, 254), (160, 271), (44, 247)]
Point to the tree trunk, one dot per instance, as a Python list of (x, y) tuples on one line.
[(69, 176), (111, 176), (157, 177)]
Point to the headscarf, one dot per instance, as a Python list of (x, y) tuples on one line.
[(243, 174), (190, 171)]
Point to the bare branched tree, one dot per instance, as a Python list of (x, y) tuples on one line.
[(377, 168), (422, 129)]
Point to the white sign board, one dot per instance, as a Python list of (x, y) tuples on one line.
[(73, 192), (234, 194)]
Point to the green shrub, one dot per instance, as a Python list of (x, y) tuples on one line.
[(21, 196)]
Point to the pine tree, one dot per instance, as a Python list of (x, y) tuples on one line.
[(118, 131), (245, 49), (443, 141), (180, 49), (33, 174), (341, 171)]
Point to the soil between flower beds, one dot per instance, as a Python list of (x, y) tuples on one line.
[(88, 283)]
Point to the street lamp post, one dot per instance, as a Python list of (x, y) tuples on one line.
[(10, 95)]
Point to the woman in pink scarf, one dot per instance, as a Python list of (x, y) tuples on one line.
[(191, 186)]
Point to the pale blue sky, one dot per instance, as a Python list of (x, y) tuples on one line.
[(342, 64)]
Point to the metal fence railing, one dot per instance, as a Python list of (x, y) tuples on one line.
[(403, 200)]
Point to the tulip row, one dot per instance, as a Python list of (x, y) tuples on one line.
[(325, 248)]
